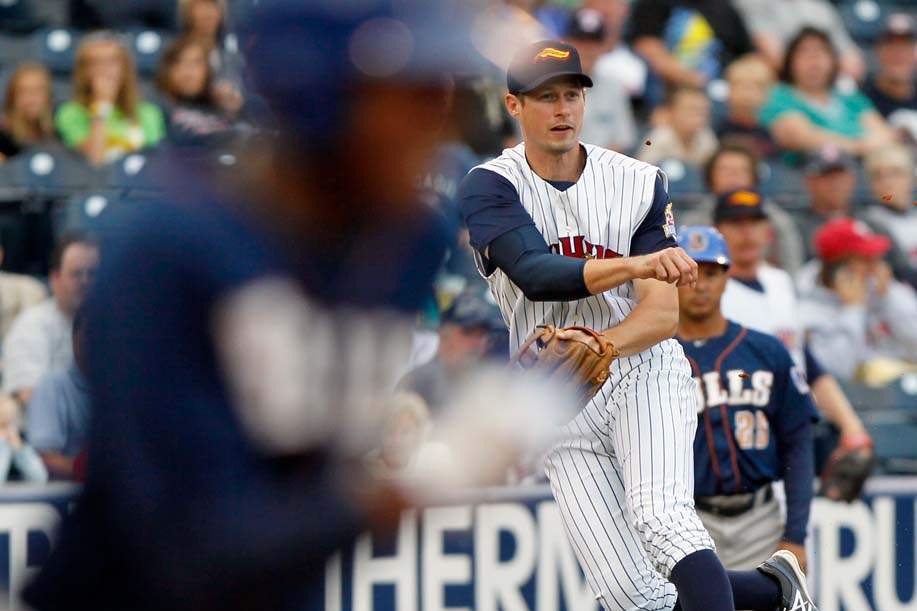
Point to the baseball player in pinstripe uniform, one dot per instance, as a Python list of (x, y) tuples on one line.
[(572, 234)]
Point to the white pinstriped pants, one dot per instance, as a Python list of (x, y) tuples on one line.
[(623, 476)]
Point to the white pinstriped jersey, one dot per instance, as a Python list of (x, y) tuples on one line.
[(596, 217)]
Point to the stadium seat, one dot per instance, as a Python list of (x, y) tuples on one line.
[(896, 445), (786, 184), (864, 19), (55, 48), (15, 49), (51, 172), (147, 46), (18, 16), (684, 179), (128, 174), (88, 211)]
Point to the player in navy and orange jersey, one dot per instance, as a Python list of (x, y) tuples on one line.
[(244, 329), (755, 420)]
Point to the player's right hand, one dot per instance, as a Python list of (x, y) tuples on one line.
[(672, 265)]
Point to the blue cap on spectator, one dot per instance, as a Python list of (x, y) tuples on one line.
[(704, 244), (303, 55)]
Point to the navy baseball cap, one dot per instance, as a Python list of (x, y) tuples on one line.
[(538, 63), (898, 25), (739, 204), (586, 24), (470, 311), (704, 244), (828, 159)]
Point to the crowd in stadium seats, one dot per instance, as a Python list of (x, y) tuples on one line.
[(810, 105)]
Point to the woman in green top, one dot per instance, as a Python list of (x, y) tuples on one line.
[(806, 113), (106, 120)]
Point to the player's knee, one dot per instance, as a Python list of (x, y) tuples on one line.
[(669, 535)]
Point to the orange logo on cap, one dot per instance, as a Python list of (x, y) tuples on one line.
[(744, 198), (552, 53)]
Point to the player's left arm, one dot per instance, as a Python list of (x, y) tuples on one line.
[(792, 426)]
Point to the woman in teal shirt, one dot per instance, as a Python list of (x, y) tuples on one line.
[(806, 112)]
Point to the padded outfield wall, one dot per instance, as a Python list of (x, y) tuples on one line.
[(505, 549)]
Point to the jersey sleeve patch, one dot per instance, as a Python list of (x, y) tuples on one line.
[(669, 227), (799, 380), (657, 231)]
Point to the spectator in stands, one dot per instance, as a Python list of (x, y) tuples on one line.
[(185, 80), (40, 338), (893, 87), (686, 135), (618, 60), (407, 429), (893, 213), (608, 120), (734, 166), (59, 410), (830, 182), (806, 112), (773, 23), (750, 80), (27, 112), (687, 42), (464, 339), (14, 451), (106, 119), (205, 22), (857, 311), (18, 292)]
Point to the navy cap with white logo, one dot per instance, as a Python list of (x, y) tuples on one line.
[(538, 63)]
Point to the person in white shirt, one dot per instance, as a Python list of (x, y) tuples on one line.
[(892, 212), (762, 297), (40, 338), (609, 118)]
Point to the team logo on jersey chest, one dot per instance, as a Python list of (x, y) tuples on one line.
[(711, 392), (579, 247)]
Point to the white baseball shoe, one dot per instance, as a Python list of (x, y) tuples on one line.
[(784, 569)]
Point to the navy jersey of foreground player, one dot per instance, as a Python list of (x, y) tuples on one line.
[(754, 404), (181, 509)]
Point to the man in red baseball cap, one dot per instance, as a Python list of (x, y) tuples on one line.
[(857, 311)]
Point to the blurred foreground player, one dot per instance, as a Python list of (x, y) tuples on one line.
[(241, 334), (755, 423)]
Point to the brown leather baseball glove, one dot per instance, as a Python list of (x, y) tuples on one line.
[(578, 358)]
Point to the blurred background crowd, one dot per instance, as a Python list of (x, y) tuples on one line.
[(804, 111)]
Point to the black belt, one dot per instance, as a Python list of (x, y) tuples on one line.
[(734, 505)]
